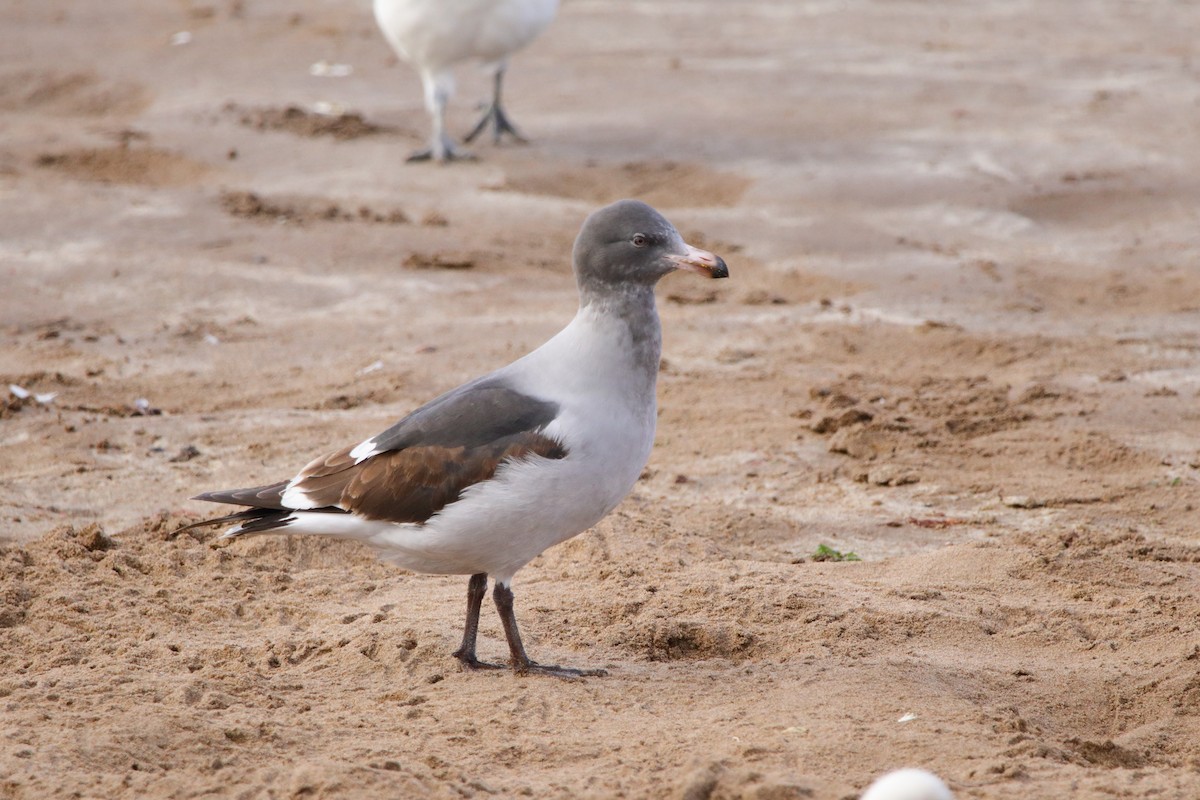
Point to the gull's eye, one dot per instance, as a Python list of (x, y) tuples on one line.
[(640, 240)]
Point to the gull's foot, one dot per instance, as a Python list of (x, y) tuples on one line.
[(442, 150), (471, 662), (569, 673), (450, 155), (500, 126)]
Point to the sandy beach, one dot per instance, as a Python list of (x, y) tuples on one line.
[(960, 341)]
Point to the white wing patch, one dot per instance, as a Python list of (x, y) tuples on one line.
[(295, 498), (363, 451)]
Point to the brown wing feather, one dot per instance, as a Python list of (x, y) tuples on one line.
[(413, 484), (328, 464)]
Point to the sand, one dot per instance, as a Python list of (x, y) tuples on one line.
[(959, 341)]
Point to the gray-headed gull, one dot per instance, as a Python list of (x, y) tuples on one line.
[(485, 477)]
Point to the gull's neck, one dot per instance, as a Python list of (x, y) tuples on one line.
[(633, 307)]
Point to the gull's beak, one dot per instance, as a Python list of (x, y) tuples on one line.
[(701, 262)]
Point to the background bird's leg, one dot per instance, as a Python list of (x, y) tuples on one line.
[(495, 113), (465, 653), (438, 89), (520, 662)]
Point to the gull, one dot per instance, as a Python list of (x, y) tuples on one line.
[(485, 477), (435, 35)]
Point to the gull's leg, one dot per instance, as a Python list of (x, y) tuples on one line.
[(438, 88), (495, 114), (520, 662), (465, 653)]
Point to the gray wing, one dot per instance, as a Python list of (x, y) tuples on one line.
[(471, 415)]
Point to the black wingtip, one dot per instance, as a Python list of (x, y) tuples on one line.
[(251, 520), (204, 523), (192, 525)]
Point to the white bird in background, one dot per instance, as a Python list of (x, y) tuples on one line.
[(908, 784), (435, 35), (480, 480)]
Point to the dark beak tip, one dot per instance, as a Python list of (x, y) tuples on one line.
[(720, 270)]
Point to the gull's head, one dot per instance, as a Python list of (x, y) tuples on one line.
[(629, 243)]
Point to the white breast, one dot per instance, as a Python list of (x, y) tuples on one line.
[(436, 34), (606, 422), (607, 404)]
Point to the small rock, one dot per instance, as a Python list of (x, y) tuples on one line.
[(760, 297), (834, 423), (185, 454), (735, 355), (832, 398), (94, 538), (891, 475), (696, 298), (702, 783), (1021, 501), (439, 261)]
